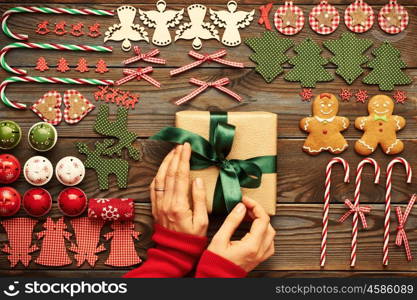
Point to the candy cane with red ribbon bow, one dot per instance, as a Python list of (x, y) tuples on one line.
[(218, 84), (139, 74), (402, 220), (148, 57), (387, 219), (327, 203), (264, 11), (202, 58), (356, 209)]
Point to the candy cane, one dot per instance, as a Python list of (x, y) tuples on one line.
[(387, 219), (327, 203), (60, 47), (40, 79), (46, 10), (355, 221)]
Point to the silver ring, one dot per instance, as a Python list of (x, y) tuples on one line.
[(159, 189)]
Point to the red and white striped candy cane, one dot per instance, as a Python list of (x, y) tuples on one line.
[(326, 206), (355, 221), (387, 219)]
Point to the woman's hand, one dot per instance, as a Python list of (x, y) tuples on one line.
[(255, 247), (171, 206)]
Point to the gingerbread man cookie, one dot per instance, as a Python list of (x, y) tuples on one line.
[(324, 126), (380, 127)]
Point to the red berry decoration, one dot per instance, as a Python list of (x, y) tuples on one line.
[(361, 96), (345, 94), (72, 202), (37, 202), (306, 94), (9, 201), (9, 168), (400, 96)]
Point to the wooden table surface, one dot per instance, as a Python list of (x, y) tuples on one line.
[(300, 176)]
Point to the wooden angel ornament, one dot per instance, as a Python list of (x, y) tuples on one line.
[(197, 29), (126, 31), (232, 21), (161, 19)]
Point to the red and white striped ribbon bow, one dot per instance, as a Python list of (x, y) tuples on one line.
[(361, 210), (148, 57), (264, 18), (202, 58), (218, 84), (139, 74), (402, 220)]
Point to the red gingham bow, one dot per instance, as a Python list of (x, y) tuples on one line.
[(202, 58), (361, 210), (218, 84), (148, 56), (264, 18), (402, 220), (139, 74)]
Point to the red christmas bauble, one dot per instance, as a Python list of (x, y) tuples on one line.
[(9, 201), (9, 168), (37, 202), (72, 202)]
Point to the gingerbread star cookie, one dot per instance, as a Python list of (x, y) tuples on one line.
[(393, 17), (289, 19), (48, 107), (359, 17), (76, 106), (325, 19)]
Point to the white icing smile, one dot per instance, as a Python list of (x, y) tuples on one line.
[(326, 113), (381, 112)]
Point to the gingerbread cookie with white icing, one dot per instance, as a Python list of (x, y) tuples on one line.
[(380, 128), (324, 127)]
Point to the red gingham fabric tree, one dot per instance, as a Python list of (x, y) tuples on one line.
[(54, 252), (122, 249)]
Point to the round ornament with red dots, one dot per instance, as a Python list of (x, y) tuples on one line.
[(9, 201), (9, 168)]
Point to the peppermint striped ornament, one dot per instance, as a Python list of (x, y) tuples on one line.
[(387, 219), (40, 79), (47, 10), (356, 202), (336, 160), (45, 46)]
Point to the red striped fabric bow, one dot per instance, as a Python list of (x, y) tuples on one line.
[(218, 84), (402, 220), (361, 210), (148, 57), (202, 58), (264, 18), (139, 74)]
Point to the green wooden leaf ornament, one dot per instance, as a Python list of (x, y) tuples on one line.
[(308, 65), (269, 54), (348, 55), (387, 68)]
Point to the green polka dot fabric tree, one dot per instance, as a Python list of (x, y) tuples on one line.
[(387, 68), (269, 54), (348, 55), (308, 65)]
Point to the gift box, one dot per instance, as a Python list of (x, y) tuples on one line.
[(234, 153)]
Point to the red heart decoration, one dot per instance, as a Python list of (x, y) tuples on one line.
[(48, 107), (76, 106)]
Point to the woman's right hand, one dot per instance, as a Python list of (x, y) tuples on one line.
[(255, 247)]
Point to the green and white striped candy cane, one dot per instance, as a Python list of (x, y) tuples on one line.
[(46, 10), (40, 79), (45, 46)]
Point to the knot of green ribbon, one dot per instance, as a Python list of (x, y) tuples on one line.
[(234, 173), (382, 118)]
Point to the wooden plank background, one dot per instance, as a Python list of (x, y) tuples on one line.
[(300, 176)]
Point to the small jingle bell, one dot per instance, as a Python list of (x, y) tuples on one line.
[(72, 202), (9, 168), (9, 201), (37, 202), (10, 134), (42, 136)]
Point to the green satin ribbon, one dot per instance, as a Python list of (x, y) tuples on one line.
[(234, 173), (382, 118)]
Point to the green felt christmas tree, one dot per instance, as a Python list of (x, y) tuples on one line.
[(308, 65), (269, 54), (387, 68), (348, 55)]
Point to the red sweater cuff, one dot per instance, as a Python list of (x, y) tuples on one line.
[(212, 265)]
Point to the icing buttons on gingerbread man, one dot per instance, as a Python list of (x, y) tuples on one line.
[(324, 126), (380, 127)]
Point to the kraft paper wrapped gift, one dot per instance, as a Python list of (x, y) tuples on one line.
[(249, 141)]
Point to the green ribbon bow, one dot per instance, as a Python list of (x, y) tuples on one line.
[(382, 118), (234, 173)]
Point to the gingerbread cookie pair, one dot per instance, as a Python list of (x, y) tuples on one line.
[(325, 126)]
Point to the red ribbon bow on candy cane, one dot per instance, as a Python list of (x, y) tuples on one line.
[(402, 220), (361, 210), (264, 18), (218, 84), (148, 57), (139, 74), (202, 58)]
